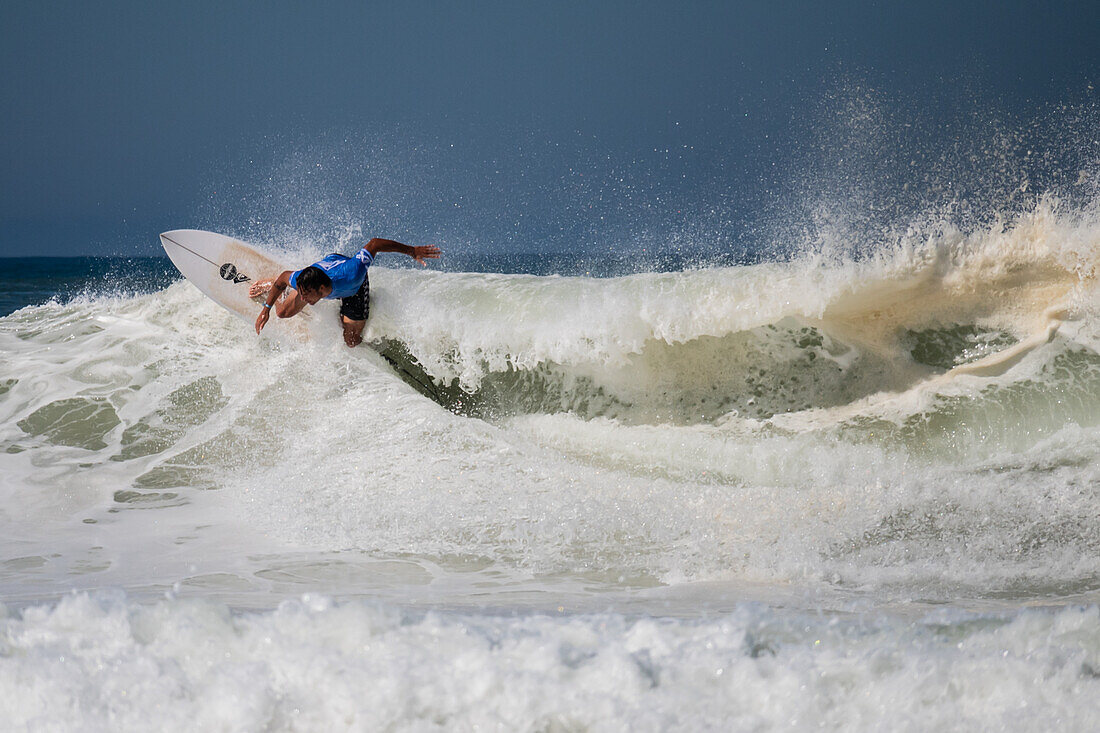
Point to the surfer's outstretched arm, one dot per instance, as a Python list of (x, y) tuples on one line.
[(420, 254)]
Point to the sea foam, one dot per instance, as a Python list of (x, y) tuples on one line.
[(101, 662)]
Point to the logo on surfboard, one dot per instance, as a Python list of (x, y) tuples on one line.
[(229, 272)]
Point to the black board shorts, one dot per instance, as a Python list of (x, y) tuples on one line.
[(357, 307)]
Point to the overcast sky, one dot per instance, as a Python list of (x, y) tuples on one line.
[(120, 120)]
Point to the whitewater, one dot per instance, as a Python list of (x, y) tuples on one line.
[(831, 491)]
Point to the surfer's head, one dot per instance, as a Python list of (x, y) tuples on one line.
[(314, 284)]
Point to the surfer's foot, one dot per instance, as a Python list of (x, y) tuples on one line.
[(259, 288)]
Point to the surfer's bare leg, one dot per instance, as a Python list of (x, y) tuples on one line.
[(353, 331), (260, 287)]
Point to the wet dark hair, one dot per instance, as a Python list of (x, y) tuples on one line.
[(313, 279)]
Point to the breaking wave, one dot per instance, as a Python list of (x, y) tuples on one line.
[(925, 418)]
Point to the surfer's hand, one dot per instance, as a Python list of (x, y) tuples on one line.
[(257, 289), (261, 320), (427, 252)]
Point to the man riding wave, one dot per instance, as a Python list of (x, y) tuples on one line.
[(335, 276)]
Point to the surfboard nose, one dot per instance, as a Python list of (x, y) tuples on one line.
[(180, 237), (193, 247)]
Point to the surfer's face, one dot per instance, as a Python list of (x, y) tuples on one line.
[(312, 296)]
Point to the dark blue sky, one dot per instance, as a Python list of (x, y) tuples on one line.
[(490, 124)]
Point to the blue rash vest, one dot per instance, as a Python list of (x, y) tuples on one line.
[(347, 273)]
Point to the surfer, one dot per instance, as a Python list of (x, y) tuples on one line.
[(335, 276)]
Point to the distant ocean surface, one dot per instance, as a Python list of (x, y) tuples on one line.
[(816, 493), (36, 280)]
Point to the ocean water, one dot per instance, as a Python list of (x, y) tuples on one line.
[(820, 492)]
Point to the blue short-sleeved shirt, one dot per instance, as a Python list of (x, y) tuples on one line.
[(347, 273)]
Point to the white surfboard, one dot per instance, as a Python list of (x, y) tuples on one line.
[(221, 267)]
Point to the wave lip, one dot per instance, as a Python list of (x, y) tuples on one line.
[(753, 342)]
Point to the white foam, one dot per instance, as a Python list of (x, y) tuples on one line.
[(102, 663)]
